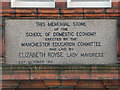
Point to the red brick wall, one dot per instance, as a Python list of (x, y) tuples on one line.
[(63, 85), (20, 78)]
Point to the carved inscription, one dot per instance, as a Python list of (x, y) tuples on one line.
[(61, 41)]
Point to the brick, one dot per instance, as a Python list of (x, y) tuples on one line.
[(112, 15), (32, 84), (78, 74), (51, 83), (118, 62), (115, 4), (119, 4), (97, 17), (94, 15), (26, 15), (111, 82), (10, 84), (7, 15), (72, 15), (4, 10), (6, 5), (60, 4), (43, 74), (93, 11), (112, 10), (48, 15), (12, 74), (27, 11), (69, 82), (38, 84), (72, 11), (1, 60), (104, 74), (90, 84), (100, 68), (25, 84), (48, 11)]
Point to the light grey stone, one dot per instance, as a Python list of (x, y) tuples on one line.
[(98, 46)]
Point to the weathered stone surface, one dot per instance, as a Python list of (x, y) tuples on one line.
[(61, 41)]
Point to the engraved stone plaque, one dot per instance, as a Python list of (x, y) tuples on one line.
[(61, 41)]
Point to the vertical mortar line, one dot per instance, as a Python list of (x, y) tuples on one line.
[(37, 12), (45, 84), (105, 11), (60, 76), (83, 13), (19, 82), (74, 85), (104, 85), (90, 72), (29, 68), (15, 12), (60, 13), (77, 82), (30, 74)]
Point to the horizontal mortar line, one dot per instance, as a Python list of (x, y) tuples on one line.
[(66, 12), (61, 69), (20, 16), (60, 79), (115, 74), (110, 73), (64, 70), (60, 66), (26, 71), (57, 67), (74, 79), (58, 8)]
